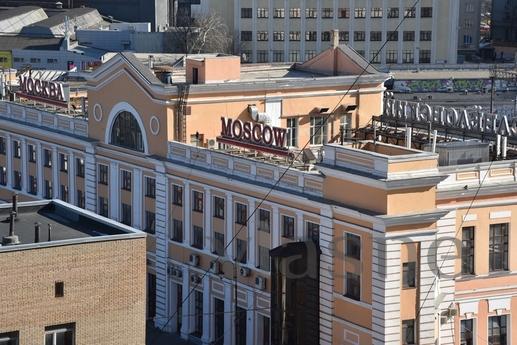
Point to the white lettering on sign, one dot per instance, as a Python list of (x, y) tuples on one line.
[(42, 89), (253, 135), (463, 119)]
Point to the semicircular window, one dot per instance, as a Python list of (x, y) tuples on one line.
[(126, 132)]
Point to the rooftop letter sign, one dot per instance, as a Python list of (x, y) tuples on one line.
[(44, 91), (253, 135)]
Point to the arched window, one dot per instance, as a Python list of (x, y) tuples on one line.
[(126, 132)]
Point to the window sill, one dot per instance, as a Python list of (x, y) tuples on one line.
[(409, 287)]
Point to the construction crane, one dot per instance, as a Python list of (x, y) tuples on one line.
[(499, 73)]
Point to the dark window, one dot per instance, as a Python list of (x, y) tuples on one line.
[(219, 243), (288, 227), (498, 247), (17, 180), (498, 330), (198, 237), (467, 250), (60, 335), (31, 152), (79, 164), (126, 180), (311, 13), (264, 262), (33, 185), (150, 222), (426, 35), (344, 36), (10, 338), (360, 12), (3, 176), (47, 158), (80, 199), (126, 214), (64, 193), (393, 35), (313, 232), (63, 162), (393, 12), (327, 13), (344, 13), (246, 12), (198, 314), (325, 36), (17, 150), (311, 35), (264, 220), (150, 187), (2, 145), (409, 274), (177, 230), (48, 189), (59, 289), (278, 36), (294, 13), (426, 12), (294, 35), (425, 56), (359, 36), (375, 36), (246, 35), (126, 132), (177, 195), (410, 12), (103, 174), (278, 13), (242, 251), (241, 213), (218, 207), (408, 332), (353, 246), (197, 201), (353, 286), (376, 12), (408, 36), (467, 332)]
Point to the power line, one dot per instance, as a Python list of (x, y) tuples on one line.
[(275, 185)]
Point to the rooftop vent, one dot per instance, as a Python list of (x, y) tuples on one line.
[(12, 239)]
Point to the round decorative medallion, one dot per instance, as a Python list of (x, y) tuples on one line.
[(97, 112), (154, 124)]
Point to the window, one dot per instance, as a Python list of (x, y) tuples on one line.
[(467, 250), (17, 180), (59, 289), (353, 246), (33, 185), (17, 150), (344, 36), (309, 54), (278, 55), (410, 12), (80, 199), (426, 12), (344, 13), (359, 36), (246, 36), (47, 158), (376, 12), (64, 193), (241, 213), (353, 286), (51, 60), (467, 332), (219, 243), (311, 35), (103, 174), (393, 12), (408, 332), (197, 201), (10, 338), (126, 214), (63, 162), (264, 330), (294, 35), (360, 52), (35, 60), (311, 13), (31, 153), (246, 56), (177, 195), (425, 56), (150, 222), (198, 314), (325, 36), (375, 36), (3, 176), (408, 36), (327, 12), (278, 36), (391, 56), (218, 207), (288, 227), (177, 230), (126, 180), (262, 13), (2, 145), (498, 247), (498, 330), (264, 220), (198, 237), (79, 167), (262, 36), (126, 132), (425, 35), (242, 251), (292, 131), (19, 59), (150, 187), (48, 189), (262, 56), (407, 56), (294, 13), (60, 335), (278, 13), (409, 275), (264, 262), (393, 35), (294, 55), (246, 12), (313, 232), (318, 130), (360, 12)]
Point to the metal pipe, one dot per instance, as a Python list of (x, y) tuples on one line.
[(36, 232), (11, 224), (435, 137), (49, 232), (504, 147), (498, 146), (15, 203)]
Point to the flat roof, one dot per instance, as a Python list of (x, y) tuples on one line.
[(10, 42)]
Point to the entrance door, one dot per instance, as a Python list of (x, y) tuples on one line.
[(219, 321)]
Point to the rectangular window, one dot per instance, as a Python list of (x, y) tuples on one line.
[(278, 36), (63, 162), (409, 275), (198, 237), (31, 153), (498, 330), (2, 145), (287, 227), (408, 36), (376, 12), (150, 222), (359, 36), (410, 12), (79, 165), (17, 149), (311, 35), (408, 332), (47, 158), (103, 174), (391, 56), (353, 246), (313, 232), (198, 314), (318, 130), (33, 185), (278, 55), (294, 55), (311, 13), (60, 335), (344, 36), (407, 56), (294, 35), (327, 12), (264, 220), (3, 176), (246, 36), (80, 199), (126, 214), (264, 262), (126, 180), (498, 247), (177, 230), (246, 12), (393, 35), (219, 243), (325, 36), (426, 35), (262, 13), (426, 12), (197, 201), (48, 189), (375, 36), (292, 131), (262, 56), (10, 338), (425, 56), (375, 57), (218, 207), (360, 12), (295, 13), (344, 12), (35, 60), (17, 180), (177, 195), (262, 36), (278, 13), (467, 250), (242, 251), (467, 332), (150, 187), (309, 54), (241, 213), (353, 286), (393, 12)]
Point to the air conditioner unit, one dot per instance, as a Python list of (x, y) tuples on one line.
[(452, 312), (260, 283), (212, 144), (215, 267), (195, 279), (244, 272), (193, 259)]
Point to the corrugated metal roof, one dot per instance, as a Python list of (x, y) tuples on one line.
[(13, 20)]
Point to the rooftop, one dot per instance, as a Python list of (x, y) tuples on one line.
[(10, 42)]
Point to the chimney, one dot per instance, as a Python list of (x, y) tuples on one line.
[(335, 38), (36, 232), (12, 239)]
